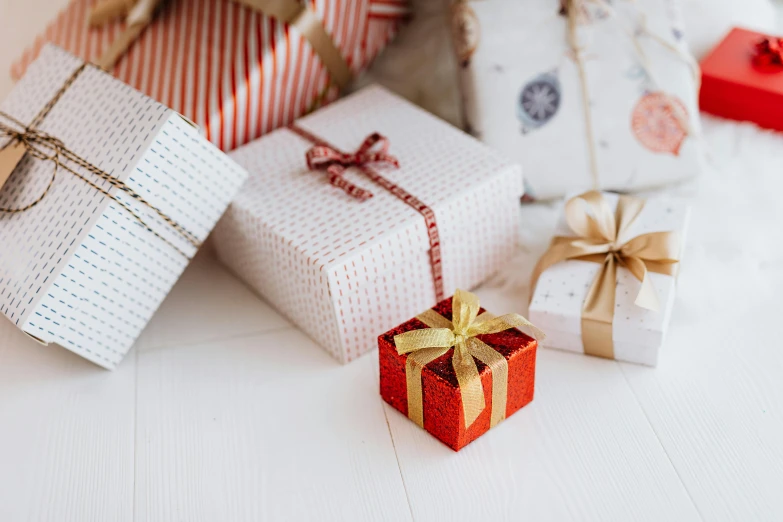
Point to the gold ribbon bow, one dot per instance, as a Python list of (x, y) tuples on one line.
[(426, 345), (139, 13), (601, 238)]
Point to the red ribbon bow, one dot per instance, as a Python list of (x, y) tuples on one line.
[(335, 162), (769, 52)]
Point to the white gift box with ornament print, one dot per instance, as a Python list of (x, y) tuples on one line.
[(87, 267), (524, 94), (637, 333), (346, 270)]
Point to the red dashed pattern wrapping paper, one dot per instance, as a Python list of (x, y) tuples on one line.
[(346, 271)]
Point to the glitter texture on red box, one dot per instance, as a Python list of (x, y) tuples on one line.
[(443, 415), (742, 79)]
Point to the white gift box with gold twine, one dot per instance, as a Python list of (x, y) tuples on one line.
[(640, 316), (596, 96), (109, 195)]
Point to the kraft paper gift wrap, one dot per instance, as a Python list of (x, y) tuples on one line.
[(87, 266), (524, 96), (637, 333), (346, 270)]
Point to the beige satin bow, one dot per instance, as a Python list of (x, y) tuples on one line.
[(139, 13), (424, 346), (601, 238)]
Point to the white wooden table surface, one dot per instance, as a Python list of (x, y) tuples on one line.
[(224, 411)]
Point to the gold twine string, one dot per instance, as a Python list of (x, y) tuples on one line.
[(677, 110), (577, 50), (43, 146), (572, 9)]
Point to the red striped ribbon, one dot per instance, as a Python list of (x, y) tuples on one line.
[(325, 155)]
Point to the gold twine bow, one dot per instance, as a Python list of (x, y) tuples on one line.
[(26, 139), (426, 345), (601, 238), (139, 13)]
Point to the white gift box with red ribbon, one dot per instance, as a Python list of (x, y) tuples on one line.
[(344, 268)]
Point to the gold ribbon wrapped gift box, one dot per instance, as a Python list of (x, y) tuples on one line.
[(457, 370), (605, 286)]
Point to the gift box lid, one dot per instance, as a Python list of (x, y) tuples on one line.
[(88, 265), (562, 289), (354, 240), (732, 61), (733, 86)]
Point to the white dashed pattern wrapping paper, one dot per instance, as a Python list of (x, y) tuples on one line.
[(638, 333), (346, 271), (78, 269)]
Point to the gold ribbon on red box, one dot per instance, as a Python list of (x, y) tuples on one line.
[(426, 345)]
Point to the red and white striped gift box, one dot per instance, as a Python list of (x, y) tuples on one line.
[(236, 73)]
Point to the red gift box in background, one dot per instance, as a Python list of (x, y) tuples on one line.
[(236, 73), (443, 415), (736, 86)]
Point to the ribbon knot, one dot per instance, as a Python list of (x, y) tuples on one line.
[(769, 52), (33, 140), (374, 150), (460, 338), (600, 238), (43, 146), (424, 346)]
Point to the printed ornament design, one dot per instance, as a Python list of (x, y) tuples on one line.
[(539, 101), (655, 124), (465, 32)]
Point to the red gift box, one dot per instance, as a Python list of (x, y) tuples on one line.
[(742, 80), (443, 414)]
